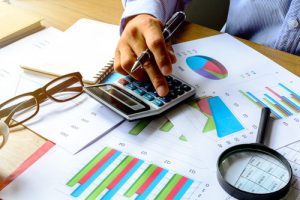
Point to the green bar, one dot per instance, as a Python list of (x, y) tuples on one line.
[(183, 138), (140, 181), (167, 126), (139, 127), (194, 105), (101, 187), (88, 167), (167, 189), (245, 95), (210, 124), (271, 104)]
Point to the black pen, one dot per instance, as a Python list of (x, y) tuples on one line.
[(263, 124), (170, 27)]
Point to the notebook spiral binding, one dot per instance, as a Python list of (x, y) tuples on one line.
[(105, 71)]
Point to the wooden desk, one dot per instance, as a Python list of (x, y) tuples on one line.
[(62, 14)]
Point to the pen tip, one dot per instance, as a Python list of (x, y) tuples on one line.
[(135, 66)]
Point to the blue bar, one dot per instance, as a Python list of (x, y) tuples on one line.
[(112, 192), (226, 122), (296, 95), (81, 188), (295, 105), (183, 190), (256, 99), (152, 185), (278, 104), (262, 103)]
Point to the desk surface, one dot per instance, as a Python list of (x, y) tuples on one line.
[(62, 14)]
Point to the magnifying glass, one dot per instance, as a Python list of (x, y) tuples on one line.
[(254, 171)]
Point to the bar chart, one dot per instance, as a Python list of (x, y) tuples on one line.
[(166, 127), (282, 100), (113, 174), (142, 124)]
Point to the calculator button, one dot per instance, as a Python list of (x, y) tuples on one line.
[(137, 84), (154, 93), (172, 95), (171, 86), (158, 102), (149, 97), (179, 91), (177, 82), (131, 86), (139, 91), (123, 81), (169, 78), (129, 78), (149, 87), (185, 87), (165, 99)]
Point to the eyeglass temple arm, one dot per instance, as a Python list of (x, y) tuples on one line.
[(62, 87), (20, 106)]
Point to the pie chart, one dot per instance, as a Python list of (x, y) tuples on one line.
[(207, 67)]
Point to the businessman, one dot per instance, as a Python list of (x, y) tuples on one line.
[(274, 23)]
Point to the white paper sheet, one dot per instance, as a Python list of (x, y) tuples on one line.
[(72, 125)]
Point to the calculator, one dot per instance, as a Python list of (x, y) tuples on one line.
[(135, 100)]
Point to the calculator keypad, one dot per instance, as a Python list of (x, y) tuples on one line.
[(147, 91)]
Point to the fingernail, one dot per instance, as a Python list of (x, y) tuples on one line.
[(166, 70), (161, 90), (173, 57), (172, 52)]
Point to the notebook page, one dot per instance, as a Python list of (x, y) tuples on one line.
[(87, 47)]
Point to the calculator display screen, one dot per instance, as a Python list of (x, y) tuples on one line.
[(117, 99), (120, 96)]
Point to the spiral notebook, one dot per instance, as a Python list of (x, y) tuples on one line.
[(88, 47)]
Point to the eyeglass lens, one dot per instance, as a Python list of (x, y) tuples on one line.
[(65, 88), (19, 109)]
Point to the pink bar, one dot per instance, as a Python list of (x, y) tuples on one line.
[(296, 98), (176, 189), (27, 163), (273, 92), (122, 174), (149, 180), (97, 166)]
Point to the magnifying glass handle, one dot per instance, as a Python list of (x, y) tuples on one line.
[(263, 124)]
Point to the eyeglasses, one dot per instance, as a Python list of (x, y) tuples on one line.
[(21, 108)]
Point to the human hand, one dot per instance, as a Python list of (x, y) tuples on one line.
[(141, 32)]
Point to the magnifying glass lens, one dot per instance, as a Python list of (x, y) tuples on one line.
[(254, 172)]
